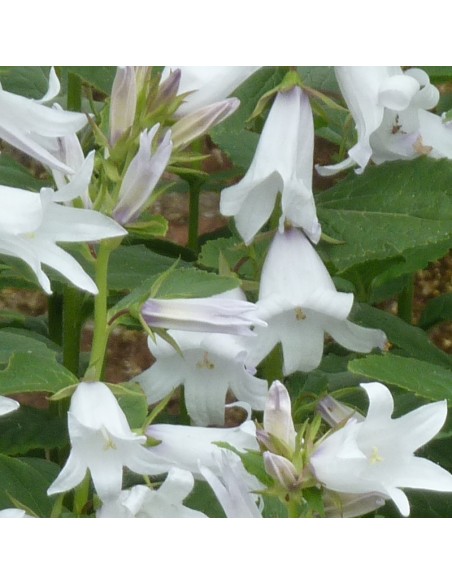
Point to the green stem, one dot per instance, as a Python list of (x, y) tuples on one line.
[(405, 302), (54, 317), (195, 185), (293, 509), (81, 494), (72, 328), (74, 92), (100, 335)]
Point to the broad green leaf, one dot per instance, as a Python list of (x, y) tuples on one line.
[(27, 481), (394, 212), (425, 379), (14, 174), (134, 404), (436, 72), (99, 77), (35, 371), (203, 499), (321, 78), (437, 310), (27, 81), (12, 341), (28, 429), (413, 340)]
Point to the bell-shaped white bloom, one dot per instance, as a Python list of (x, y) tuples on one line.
[(222, 313), (389, 107), (346, 505), (123, 102), (32, 223), (196, 124), (282, 163), (298, 300), (7, 405), (210, 364), (142, 176), (102, 442), (166, 501), (34, 128), (187, 447), (234, 486), (206, 85), (376, 456)]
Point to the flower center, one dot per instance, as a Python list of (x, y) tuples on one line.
[(205, 363), (109, 444), (375, 456), (299, 314)]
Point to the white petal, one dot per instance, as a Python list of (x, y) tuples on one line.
[(396, 92), (302, 344), (21, 210), (78, 185), (435, 134), (400, 499), (24, 249), (421, 425), (7, 405), (71, 475), (420, 473), (162, 377), (381, 403), (354, 337), (178, 485), (53, 89)]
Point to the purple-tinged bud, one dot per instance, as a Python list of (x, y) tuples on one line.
[(281, 469), (336, 413), (199, 122), (278, 415), (168, 89), (123, 102)]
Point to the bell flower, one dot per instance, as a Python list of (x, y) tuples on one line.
[(34, 128), (346, 505), (282, 163), (210, 364), (298, 300), (389, 107), (142, 176), (233, 487), (7, 405), (164, 502), (189, 447), (123, 102), (32, 223), (101, 441), (207, 85), (377, 455), (222, 313)]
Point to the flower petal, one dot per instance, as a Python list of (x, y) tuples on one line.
[(71, 475), (7, 405), (354, 337)]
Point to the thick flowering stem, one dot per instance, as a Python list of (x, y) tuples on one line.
[(100, 335)]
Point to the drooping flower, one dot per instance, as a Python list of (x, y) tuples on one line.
[(32, 223), (222, 313), (389, 107), (376, 456), (207, 85), (123, 102), (7, 405), (34, 128), (142, 176), (234, 486), (164, 502), (189, 447), (210, 364), (101, 441), (298, 300)]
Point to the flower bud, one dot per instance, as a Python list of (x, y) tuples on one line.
[(278, 415), (123, 102), (336, 413), (281, 470)]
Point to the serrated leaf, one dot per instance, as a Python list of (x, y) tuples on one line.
[(27, 481), (395, 212), (28, 429), (425, 379)]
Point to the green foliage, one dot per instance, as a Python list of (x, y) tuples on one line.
[(14, 174), (437, 310), (99, 77), (27, 81)]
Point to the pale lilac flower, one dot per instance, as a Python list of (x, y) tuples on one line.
[(142, 176), (32, 223), (389, 107), (123, 102), (376, 456), (102, 442), (210, 364), (7, 405), (234, 486), (282, 163), (221, 313), (164, 502), (207, 85), (298, 300), (189, 447), (34, 128)]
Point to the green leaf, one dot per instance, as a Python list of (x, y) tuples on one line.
[(437, 310), (203, 499), (29, 372), (28, 429), (14, 174), (99, 77), (27, 81), (436, 73), (394, 212), (15, 341), (134, 404), (413, 340), (426, 380), (27, 481)]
